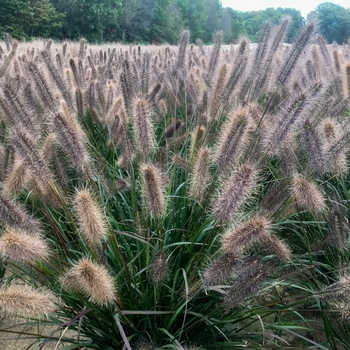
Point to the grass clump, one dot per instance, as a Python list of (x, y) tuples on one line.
[(177, 197)]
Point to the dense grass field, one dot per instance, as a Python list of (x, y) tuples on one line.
[(176, 197)]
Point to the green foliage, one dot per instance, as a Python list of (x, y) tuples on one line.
[(87, 18), (334, 22), (157, 20), (24, 19)]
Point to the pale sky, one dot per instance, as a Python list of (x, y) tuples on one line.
[(305, 6)]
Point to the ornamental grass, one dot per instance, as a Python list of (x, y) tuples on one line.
[(185, 197)]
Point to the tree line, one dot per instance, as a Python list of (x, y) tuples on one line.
[(160, 21)]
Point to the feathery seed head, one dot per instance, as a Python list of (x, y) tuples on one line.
[(121, 185), (23, 300), (162, 106), (144, 344), (217, 97), (232, 139), (307, 195), (214, 59), (153, 189), (72, 139), (173, 128), (315, 148), (17, 178), (290, 114), (347, 72), (246, 285), (28, 152), (330, 130), (200, 174), (93, 280), (234, 241), (234, 192), (185, 38), (49, 146), (338, 227), (301, 41), (197, 138), (20, 246), (159, 268), (13, 215), (144, 135), (275, 246), (336, 61), (220, 269), (90, 217)]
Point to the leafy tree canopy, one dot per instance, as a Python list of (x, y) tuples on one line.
[(30, 18), (334, 21), (161, 21)]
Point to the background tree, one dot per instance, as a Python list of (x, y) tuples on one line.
[(24, 19), (214, 13), (334, 21), (296, 22), (195, 16), (167, 23), (232, 24), (87, 18)]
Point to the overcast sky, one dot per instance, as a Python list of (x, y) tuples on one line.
[(305, 6)]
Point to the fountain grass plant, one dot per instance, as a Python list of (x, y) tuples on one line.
[(177, 198)]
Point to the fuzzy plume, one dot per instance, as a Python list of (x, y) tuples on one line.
[(8, 59), (315, 148), (19, 246), (274, 199), (162, 106), (145, 73), (250, 277), (185, 37), (220, 269), (72, 139), (197, 138), (93, 280), (232, 139), (42, 84), (307, 195), (143, 128), (12, 215), (275, 246), (127, 149), (330, 130), (153, 189), (159, 268), (347, 72), (214, 59), (234, 241), (300, 43), (200, 174), (17, 178), (28, 152), (218, 92), (263, 44), (338, 227), (57, 76), (89, 216), (48, 148), (19, 112), (234, 192), (173, 128), (289, 115), (22, 300), (336, 61)]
